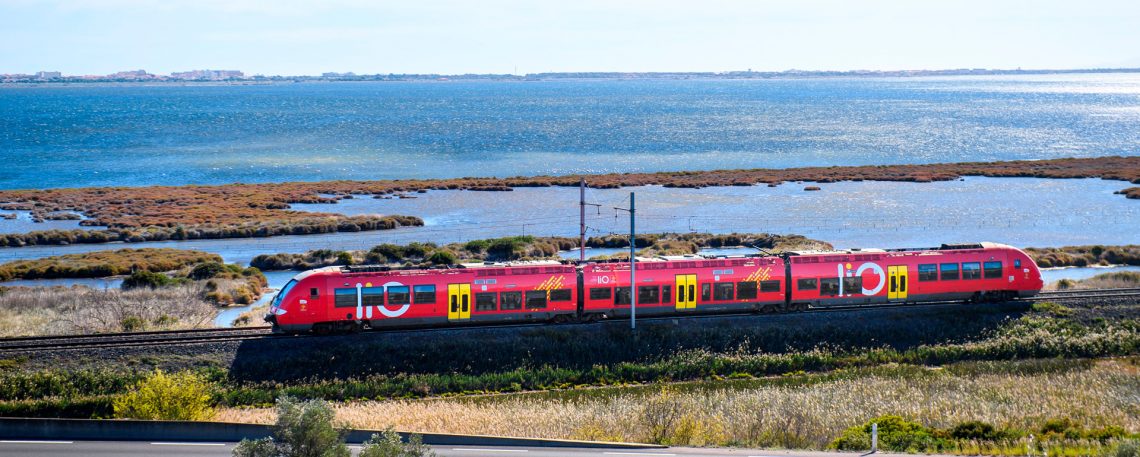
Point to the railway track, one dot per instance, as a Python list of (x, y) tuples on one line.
[(199, 336), (133, 339)]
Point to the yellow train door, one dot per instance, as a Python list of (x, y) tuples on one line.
[(458, 302), (898, 277), (686, 292)]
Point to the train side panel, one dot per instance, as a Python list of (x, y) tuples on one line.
[(989, 273), (678, 287)]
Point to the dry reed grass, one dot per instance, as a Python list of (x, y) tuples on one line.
[(752, 414), (71, 310)]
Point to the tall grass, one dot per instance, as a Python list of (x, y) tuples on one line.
[(804, 411), (80, 310)]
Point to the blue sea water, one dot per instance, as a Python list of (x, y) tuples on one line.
[(84, 135)]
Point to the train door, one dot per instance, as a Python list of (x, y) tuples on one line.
[(897, 287), (458, 302), (686, 292)]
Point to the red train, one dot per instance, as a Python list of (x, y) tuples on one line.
[(335, 299)]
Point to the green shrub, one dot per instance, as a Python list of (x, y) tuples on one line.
[(895, 434), (1053, 308), (207, 270), (442, 258), (344, 258), (132, 323), (162, 396), (303, 429), (974, 430), (145, 278), (387, 444)]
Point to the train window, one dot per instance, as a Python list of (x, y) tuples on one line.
[(971, 270), (398, 295), (770, 286), (510, 300), (746, 290), (722, 291), (992, 270), (372, 296), (666, 294), (706, 292), (344, 298), (853, 285), (485, 301), (314, 293), (807, 284), (621, 295), (648, 294), (600, 293), (949, 271), (928, 272), (560, 295), (535, 299), (1017, 263), (424, 294), (829, 286)]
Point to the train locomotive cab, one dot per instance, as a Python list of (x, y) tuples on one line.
[(296, 306), (1024, 275)]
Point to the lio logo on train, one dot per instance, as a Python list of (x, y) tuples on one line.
[(845, 271)]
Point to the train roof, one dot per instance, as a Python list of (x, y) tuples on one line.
[(943, 247)]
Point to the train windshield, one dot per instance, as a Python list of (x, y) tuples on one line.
[(284, 291)]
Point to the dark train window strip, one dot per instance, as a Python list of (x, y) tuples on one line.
[(949, 271), (510, 301), (746, 290), (972, 270), (648, 295), (992, 270), (829, 286), (928, 272), (807, 284), (535, 299), (399, 295), (722, 291), (621, 295), (344, 298), (372, 296), (485, 301), (424, 294), (770, 286), (560, 295)]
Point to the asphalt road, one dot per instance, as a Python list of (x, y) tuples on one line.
[(169, 449)]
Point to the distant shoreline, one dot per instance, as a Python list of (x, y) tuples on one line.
[(29, 80)]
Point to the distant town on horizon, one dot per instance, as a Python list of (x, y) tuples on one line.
[(239, 76)]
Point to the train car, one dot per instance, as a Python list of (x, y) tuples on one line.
[(975, 272), (684, 285), (350, 298), (338, 299)]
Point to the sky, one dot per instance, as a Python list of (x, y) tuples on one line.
[(291, 37)]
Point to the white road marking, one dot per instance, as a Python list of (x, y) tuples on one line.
[(35, 442), (188, 444), (635, 453), (460, 449)]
